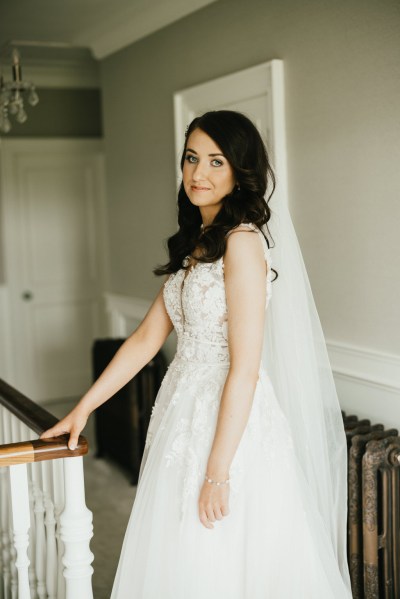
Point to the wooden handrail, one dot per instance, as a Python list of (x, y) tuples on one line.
[(39, 450), (37, 419)]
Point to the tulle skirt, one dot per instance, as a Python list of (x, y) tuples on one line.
[(272, 545)]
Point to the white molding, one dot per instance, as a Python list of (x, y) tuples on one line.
[(62, 73), (365, 366), (367, 382)]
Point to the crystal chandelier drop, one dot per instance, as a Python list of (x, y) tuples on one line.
[(12, 95)]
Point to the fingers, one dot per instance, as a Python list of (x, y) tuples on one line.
[(57, 431), (210, 513), (224, 510), (54, 431), (204, 519), (73, 438), (218, 513)]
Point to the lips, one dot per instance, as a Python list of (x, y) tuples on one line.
[(198, 188)]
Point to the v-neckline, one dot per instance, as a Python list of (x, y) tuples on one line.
[(188, 271)]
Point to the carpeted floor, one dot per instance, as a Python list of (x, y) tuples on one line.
[(109, 495)]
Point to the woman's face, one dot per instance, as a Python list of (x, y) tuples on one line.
[(207, 175)]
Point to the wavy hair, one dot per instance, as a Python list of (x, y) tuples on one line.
[(241, 144)]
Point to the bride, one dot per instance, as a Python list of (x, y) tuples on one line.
[(242, 486)]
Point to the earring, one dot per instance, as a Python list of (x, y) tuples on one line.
[(237, 187)]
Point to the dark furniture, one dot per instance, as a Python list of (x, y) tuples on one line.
[(121, 422)]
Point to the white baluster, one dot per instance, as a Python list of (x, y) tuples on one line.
[(15, 430), (5, 426), (5, 535), (13, 551), (32, 537), (11, 586), (58, 496), (51, 547), (40, 538), (27, 434), (21, 522), (76, 532)]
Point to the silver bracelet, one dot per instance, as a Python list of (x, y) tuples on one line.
[(218, 483)]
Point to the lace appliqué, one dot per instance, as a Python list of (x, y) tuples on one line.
[(194, 430)]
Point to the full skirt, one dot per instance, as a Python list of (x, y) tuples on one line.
[(273, 544)]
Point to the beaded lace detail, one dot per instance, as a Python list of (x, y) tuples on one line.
[(196, 303)]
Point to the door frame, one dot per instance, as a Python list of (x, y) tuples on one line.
[(266, 78)]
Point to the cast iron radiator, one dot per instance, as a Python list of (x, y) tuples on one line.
[(374, 509), (121, 422)]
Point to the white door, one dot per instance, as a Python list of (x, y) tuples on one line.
[(258, 92), (52, 196)]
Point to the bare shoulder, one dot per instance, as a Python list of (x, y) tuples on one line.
[(243, 246)]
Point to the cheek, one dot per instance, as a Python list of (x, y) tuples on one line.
[(227, 180)]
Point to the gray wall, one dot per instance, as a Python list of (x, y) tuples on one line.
[(342, 89)]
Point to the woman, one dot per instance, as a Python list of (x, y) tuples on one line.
[(241, 493)]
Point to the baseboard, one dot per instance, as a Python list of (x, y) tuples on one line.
[(367, 381)]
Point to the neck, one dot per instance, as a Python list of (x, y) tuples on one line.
[(208, 213)]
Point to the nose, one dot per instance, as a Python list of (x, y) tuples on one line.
[(199, 172)]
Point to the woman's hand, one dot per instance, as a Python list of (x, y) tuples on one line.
[(72, 423), (213, 503)]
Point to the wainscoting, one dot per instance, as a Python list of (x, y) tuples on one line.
[(367, 381)]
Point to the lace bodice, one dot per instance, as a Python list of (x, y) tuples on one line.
[(196, 303)]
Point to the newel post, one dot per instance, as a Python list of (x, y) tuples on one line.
[(76, 532)]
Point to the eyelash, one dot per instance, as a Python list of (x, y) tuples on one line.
[(189, 156)]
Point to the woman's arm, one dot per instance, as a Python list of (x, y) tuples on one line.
[(245, 276), (140, 347)]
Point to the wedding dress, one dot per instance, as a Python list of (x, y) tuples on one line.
[(273, 544)]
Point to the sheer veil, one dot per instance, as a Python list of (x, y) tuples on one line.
[(296, 359)]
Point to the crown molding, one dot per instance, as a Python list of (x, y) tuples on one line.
[(62, 73)]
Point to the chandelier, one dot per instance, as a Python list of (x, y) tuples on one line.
[(12, 95)]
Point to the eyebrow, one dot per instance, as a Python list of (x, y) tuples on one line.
[(194, 152)]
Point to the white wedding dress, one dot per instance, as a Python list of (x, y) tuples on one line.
[(273, 544)]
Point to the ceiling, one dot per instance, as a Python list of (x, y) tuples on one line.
[(103, 26)]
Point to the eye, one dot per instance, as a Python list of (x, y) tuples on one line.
[(189, 157), (216, 160)]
